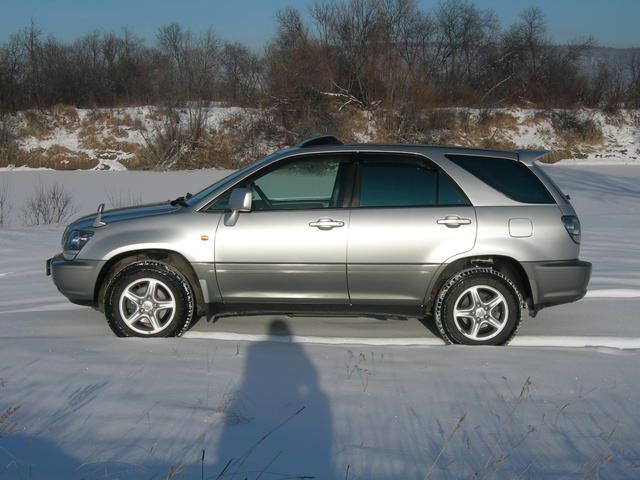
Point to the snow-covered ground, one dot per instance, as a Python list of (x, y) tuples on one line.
[(278, 397)]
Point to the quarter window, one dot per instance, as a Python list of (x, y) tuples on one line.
[(513, 179)]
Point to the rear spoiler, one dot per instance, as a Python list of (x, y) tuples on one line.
[(529, 156)]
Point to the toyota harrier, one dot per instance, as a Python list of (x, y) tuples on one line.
[(468, 237)]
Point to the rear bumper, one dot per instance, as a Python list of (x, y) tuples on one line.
[(554, 283), (75, 279)]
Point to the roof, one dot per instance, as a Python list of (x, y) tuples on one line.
[(525, 156), (330, 142)]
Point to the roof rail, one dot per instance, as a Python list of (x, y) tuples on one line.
[(529, 156), (319, 141)]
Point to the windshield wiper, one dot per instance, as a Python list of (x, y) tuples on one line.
[(182, 200)]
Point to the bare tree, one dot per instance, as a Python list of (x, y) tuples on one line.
[(193, 61), (466, 39), (363, 54), (47, 205), (241, 73), (174, 140), (5, 204), (633, 93)]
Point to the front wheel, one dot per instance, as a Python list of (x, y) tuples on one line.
[(478, 306), (149, 299)]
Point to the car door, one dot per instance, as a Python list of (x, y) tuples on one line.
[(292, 245), (408, 217)]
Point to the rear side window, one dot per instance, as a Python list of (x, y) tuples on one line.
[(513, 179), (396, 182)]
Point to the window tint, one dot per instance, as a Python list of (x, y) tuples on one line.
[(449, 193), (311, 183), (513, 179), (401, 183)]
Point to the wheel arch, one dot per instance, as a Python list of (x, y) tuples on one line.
[(508, 266), (173, 258)]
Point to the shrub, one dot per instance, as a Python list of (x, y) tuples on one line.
[(573, 128), (5, 204), (47, 205)]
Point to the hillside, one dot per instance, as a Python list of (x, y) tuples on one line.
[(216, 136)]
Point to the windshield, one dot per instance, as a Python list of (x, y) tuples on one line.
[(203, 194)]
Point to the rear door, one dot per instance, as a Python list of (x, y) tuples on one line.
[(408, 217)]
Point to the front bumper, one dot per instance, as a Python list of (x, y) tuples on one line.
[(75, 279), (554, 283)]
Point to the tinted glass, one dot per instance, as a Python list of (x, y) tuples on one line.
[(449, 193), (405, 184), (513, 179)]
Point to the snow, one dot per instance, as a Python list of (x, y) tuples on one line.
[(531, 128), (613, 293), (90, 188), (113, 126), (292, 397)]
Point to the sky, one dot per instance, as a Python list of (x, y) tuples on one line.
[(611, 22)]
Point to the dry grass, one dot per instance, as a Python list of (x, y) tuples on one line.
[(40, 124), (537, 118), (488, 129), (190, 144), (106, 145), (35, 125), (117, 118), (56, 157), (90, 139), (412, 125), (572, 129), (573, 135), (105, 131), (7, 426), (119, 132), (181, 138)]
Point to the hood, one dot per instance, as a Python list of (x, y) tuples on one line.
[(130, 213)]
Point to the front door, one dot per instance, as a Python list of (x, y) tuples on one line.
[(292, 246), (408, 218)]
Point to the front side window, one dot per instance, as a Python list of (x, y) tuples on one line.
[(398, 182), (310, 183)]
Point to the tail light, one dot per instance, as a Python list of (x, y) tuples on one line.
[(572, 224)]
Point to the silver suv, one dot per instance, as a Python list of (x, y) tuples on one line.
[(466, 236)]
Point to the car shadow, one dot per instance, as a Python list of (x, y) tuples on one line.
[(429, 323)]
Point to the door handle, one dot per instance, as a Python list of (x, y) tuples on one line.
[(326, 224), (453, 221)]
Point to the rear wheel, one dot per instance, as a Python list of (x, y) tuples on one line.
[(478, 307), (149, 299)]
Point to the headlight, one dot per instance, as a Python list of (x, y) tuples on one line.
[(77, 239)]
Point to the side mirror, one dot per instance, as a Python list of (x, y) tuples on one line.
[(239, 201)]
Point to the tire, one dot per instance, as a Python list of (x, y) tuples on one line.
[(478, 306), (149, 299)]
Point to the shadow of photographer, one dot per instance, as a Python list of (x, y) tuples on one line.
[(278, 421)]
